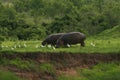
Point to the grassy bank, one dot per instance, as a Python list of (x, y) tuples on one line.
[(101, 71), (49, 70)]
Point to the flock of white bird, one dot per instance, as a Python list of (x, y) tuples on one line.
[(37, 46), (25, 46)]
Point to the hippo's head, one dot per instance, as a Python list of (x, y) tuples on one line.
[(57, 46), (44, 43)]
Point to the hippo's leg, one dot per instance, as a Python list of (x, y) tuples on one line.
[(65, 45), (82, 44), (59, 44)]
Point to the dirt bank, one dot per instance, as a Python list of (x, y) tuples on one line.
[(63, 62), (76, 59)]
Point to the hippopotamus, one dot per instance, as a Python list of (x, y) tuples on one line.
[(71, 38), (52, 39)]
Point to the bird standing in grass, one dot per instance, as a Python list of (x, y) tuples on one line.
[(92, 44)]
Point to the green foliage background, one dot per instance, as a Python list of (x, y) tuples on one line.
[(34, 19)]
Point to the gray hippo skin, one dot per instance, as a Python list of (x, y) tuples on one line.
[(52, 39), (71, 38)]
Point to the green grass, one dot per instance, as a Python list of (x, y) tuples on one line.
[(102, 71), (5, 75), (109, 33), (101, 46)]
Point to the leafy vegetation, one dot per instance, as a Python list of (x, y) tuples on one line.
[(24, 20)]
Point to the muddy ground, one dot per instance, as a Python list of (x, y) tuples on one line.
[(63, 63)]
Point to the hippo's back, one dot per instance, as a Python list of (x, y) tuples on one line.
[(51, 39), (55, 36), (73, 37)]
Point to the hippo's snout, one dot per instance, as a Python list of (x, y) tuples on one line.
[(57, 46)]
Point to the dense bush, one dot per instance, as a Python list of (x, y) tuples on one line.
[(34, 19)]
